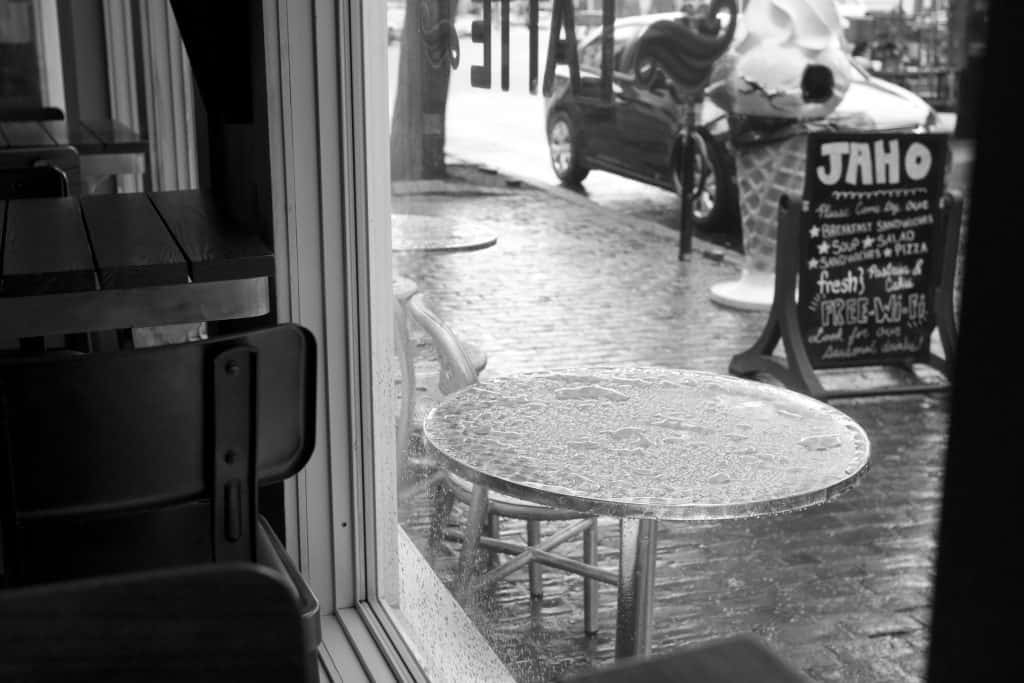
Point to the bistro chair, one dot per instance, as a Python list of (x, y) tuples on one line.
[(142, 459), (64, 157), (153, 458), (458, 370), (459, 366), (33, 182), (213, 622)]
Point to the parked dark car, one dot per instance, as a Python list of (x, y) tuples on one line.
[(639, 134)]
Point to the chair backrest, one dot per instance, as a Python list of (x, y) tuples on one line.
[(457, 369), (218, 622), (64, 157), (149, 458), (31, 114), (32, 182)]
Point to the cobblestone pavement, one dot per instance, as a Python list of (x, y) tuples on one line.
[(841, 590)]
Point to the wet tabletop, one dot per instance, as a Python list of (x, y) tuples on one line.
[(649, 442), (413, 232)]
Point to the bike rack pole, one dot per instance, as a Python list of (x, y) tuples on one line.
[(686, 189)]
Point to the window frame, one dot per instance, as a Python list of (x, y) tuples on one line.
[(326, 73)]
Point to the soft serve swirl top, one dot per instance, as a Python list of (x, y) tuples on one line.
[(787, 62)]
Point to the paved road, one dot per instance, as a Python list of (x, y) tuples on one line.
[(842, 591)]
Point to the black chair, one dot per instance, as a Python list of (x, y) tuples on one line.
[(215, 622), (64, 157), (153, 458), (742, 658), (31, 114), (33, 182)]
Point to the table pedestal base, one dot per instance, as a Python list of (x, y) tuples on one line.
[(638, 549)]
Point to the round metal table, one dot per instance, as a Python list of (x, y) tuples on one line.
[(644, 444), (414, 232)]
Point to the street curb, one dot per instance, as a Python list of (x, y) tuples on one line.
[(700, 246), (401, 188)]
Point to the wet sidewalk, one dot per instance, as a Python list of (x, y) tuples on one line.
[(841, 591)]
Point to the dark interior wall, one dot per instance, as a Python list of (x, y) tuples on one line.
[(224, 41), (976, 614), (84, 59)]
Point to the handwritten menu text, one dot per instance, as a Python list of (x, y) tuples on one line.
[(868, 246)]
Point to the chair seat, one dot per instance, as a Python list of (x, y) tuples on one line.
[(510, 506), (243, 623)]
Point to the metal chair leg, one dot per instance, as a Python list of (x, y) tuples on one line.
[(494, 531), (536, 573), (590, 585), (443, 500), (469, 557)]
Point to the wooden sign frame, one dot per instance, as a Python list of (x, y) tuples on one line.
[(797, 371)]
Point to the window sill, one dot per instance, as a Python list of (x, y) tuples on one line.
[(355, 647), (349, 653)]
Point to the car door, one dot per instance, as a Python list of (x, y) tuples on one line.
[(596, 115), (647, 120)]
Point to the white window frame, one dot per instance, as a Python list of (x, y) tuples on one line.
[(47, 37), (327, 121)]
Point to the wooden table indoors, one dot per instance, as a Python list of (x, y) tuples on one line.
[(120, 261)]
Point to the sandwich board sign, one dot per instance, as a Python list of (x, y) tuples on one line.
[(870, 249)]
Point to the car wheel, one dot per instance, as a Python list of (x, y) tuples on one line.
[(712, 205), (564, 148)]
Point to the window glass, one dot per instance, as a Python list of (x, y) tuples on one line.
[(530, 233)]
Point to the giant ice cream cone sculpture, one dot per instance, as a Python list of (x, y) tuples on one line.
[(785, 74), (764, 173)]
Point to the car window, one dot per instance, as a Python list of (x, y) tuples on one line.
[(590, 51), (624, 37), (590, 56)]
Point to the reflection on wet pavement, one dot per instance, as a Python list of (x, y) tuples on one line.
[(840, 590)]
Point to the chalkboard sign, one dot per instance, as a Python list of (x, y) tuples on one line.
[(870, 250), (870, 233)]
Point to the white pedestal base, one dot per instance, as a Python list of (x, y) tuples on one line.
[(754, 291)]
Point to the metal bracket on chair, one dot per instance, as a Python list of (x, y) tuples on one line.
[(234, 455)]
